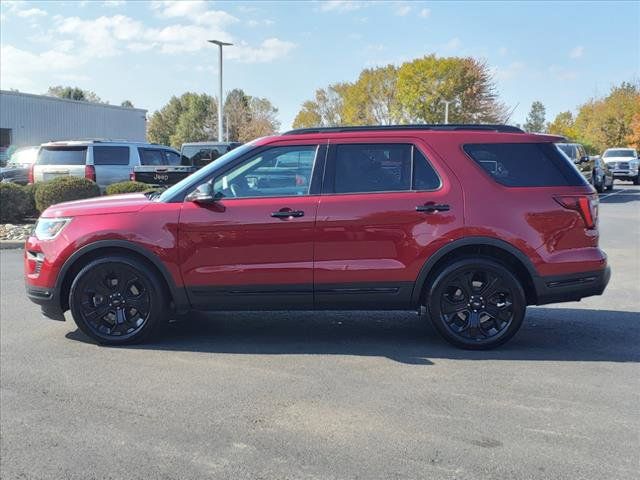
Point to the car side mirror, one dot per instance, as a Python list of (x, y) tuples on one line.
[(584, 159), (203, 194)]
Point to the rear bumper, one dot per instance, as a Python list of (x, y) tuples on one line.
[(48, 301), (570, 288)]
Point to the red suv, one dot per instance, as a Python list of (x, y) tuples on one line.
[(467, 224)]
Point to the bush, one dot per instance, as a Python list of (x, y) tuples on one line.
[(127, 187), (14, 203), (30, 191), (64, 189)]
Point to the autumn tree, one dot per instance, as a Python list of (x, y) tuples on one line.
[(262, 120), (412, 93), (535, 121), (564, 125), (608, 122)]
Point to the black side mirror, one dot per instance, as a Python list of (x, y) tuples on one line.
[(203, 194), (584, 159)]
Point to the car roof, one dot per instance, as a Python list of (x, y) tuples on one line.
[(461, 132), (620, 148), (81, 143), (188, 144)]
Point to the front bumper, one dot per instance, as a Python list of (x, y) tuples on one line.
[(48, 301), (573, 287)]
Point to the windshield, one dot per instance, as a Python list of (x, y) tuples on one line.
[(24, 156), (199, 177), (619, 153), (62, 156)]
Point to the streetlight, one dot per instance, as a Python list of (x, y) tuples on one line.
[(446, 109), (220, 45)]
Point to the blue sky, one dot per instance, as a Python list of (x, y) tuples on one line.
[(561, 53)]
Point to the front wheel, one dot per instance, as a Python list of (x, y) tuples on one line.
[(118, 300), (476, 303)]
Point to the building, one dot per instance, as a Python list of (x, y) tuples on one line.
[(27, 119)]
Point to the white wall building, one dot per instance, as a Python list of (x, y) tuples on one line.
[(27, 119)]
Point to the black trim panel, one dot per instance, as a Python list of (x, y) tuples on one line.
[(178, 293), (465, 242), (568, 288), (47, 300), (251, 297)]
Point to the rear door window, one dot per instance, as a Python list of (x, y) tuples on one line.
[(152, 157), (110, 155), (171, 158), (368, 168), (62, 156), (525, 164)]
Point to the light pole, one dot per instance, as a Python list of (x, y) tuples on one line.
[(220, 45), (446, 109)]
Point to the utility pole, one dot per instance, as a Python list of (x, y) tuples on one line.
[(220, 45)]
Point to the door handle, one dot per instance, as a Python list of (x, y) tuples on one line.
[(287, 214), (431, 208)]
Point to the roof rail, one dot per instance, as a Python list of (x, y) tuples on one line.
[(440, 127)]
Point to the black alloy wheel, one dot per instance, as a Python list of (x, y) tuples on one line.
[(476, 303), (117, 300)]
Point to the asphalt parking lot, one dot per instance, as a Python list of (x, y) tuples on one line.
[(331, 396)]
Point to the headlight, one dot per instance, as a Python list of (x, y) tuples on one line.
[(633, 164), (49, 228)]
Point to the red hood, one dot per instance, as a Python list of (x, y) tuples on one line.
[(130, 202)]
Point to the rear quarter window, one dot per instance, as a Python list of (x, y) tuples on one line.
[(62, 156), (525, 164), (111, 155)]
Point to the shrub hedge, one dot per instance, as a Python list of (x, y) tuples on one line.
[(14, 203), (30, 191), (64, 189), (127, 187)]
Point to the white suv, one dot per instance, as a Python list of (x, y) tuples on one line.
[(623, 162), (104, 162)]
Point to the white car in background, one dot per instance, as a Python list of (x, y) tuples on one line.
[(623, 162)]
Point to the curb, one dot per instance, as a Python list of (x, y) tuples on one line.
[(9, 244)]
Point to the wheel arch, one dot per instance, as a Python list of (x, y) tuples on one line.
[(80, 258), (485, 246)]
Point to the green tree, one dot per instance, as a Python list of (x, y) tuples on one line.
[(74, 93), (127, 104), (535, 121), (198, 120), (236, 113), (372, 99), (564, 124), (326, 110)]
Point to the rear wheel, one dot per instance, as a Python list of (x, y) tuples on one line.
[(118, 300), (598, 185), (476, 303)]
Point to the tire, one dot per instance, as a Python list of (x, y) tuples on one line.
[(636, 181), (118, 300), (610, 187), (599, 186), (470, 310)]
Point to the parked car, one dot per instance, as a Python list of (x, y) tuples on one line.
[(594, 169), (623, 162), (17, 169), (160, 167), (199, 154), (104, 162), (467, 224)]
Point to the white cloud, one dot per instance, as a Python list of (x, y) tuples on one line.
[(508, 72), (31, 12), (425, 13), (340, 6), (502, 51), (114, 3), (577, 52), (269, 50), (256, 23), (402, 10), (196, 11), (562, 74), (452, 44)]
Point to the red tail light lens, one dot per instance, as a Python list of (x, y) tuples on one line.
[(585, 205), (31, 177), (90, 172)]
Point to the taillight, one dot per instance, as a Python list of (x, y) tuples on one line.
[(31, 178), (585, 205), (90, 172), (132, 176)]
